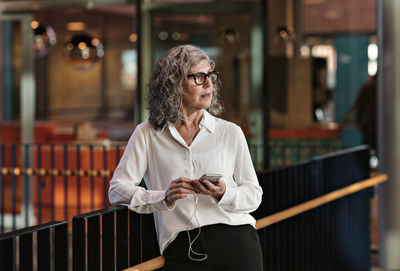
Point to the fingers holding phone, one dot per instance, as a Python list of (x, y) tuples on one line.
[(210, 177), (210, 184), (178, 189)]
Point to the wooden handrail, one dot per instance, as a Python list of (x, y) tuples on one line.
[(158, 262), (149, 265), (311, 204)]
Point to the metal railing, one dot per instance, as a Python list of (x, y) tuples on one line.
[(332, 236), (47, 182), (158, 262), (48, 242), (335, 236), (124, 238)]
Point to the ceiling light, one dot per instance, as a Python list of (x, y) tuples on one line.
[(75, 26), (82, 51), (44, 38)]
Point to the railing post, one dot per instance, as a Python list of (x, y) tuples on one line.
[(61, 248), (108, 241), (105, 178), (78, 177), (91, 157), (52, 161), (2, 186), (7, 254), (28, 187), (122, 241), (40, 183), (78, 244), (26, 251), (93, 239), (51, 249), (43, 250), (14, 185), (65, 152)]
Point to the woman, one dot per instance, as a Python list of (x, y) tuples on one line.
[(201, 225)]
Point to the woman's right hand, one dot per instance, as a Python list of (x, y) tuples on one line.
[(178, 189)]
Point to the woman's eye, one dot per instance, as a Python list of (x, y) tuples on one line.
[(199, 75)]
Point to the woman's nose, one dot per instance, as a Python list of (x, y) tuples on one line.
[(207, 82)]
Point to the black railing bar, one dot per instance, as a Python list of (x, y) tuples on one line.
[(65, 148), (27, 186), (105, 179), (32, 229), (2, 189), (39, 161), (14, 186), (91, 154), (94, 243), (78, 178), (52, 158), (101, 211)]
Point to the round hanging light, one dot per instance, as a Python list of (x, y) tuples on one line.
[(229, 35), (44, 38), (83, 50)]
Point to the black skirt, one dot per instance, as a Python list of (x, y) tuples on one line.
[(219, 247)]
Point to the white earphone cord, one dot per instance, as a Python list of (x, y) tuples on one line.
[(190, 249)]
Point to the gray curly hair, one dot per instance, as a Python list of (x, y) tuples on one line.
[(166, 85)]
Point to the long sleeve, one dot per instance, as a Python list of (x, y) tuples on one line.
[(124, 186), (247, 195), (160, 156)]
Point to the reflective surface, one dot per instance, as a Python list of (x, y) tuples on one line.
[(44, 38), (90, 74), (83, 50)]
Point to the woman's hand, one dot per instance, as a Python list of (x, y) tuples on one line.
[(205, 187), (178, 189)]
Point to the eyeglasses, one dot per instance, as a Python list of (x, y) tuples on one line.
[(201, 77)]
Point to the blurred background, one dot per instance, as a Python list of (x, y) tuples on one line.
[(299, 77), (291, 70)]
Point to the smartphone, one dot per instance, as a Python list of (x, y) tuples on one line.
[(211, 177)]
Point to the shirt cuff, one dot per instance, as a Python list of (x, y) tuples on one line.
[(152, 197), (164, 203), (227, 198)]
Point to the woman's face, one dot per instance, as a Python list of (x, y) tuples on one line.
[(196, 96)]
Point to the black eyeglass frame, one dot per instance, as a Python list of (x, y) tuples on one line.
[(198, 74)]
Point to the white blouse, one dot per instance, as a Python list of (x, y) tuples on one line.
[(160, 156)]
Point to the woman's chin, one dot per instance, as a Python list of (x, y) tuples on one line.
[(207, 105), (206, 102)]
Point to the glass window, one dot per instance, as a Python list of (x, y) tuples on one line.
[(231, 37), (100, 84)]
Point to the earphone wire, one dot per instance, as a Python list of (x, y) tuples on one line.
[(191, 242)]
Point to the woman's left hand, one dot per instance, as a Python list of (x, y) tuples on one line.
[(205, 187)]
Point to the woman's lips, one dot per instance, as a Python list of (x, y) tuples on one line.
[(206, 95)]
